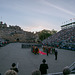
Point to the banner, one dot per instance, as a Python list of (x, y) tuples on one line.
[(43, 53)]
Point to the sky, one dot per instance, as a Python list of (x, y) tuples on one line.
[(36, 15)]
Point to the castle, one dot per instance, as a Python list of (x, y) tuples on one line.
[(15, 34)]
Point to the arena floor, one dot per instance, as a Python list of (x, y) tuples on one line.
[(28, 61)]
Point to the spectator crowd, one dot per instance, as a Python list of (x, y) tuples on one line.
[(63, 39), (41, 71)]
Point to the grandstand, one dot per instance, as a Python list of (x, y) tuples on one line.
[(65, 38)]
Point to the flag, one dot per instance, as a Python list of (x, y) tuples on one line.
[(70, 19), (74, 19), (43, 53)]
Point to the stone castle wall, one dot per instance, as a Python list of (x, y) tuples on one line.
[(15, 34)]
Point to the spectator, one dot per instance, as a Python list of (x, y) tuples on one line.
[(36, 72), (47, 50), (10, 72), (43, 67), (66, 71), (14, 67)]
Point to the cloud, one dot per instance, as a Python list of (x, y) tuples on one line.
[(59, 8), (38, 25)]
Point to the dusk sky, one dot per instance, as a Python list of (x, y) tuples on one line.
[(36, 15)]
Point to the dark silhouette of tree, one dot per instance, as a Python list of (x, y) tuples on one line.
[(45, 34)]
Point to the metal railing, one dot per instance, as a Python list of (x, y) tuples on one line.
[(58, 73), (72, 68)]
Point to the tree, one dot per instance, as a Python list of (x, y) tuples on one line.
[(45, 34)]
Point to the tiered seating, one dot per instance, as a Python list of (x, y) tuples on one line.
[(63, 39)]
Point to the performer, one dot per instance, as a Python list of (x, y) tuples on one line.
[(56, 53), (47, 50)]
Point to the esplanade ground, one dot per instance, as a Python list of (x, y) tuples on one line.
[(28, 61)]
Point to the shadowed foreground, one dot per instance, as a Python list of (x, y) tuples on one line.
[(28, 61)]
